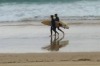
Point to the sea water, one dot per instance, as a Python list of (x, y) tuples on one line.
[(26, 10)]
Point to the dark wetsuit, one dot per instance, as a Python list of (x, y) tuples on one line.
[(57, 20), (53, 25)]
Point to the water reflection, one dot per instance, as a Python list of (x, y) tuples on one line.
[(56, 44)]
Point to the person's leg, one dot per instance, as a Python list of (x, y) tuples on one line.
[(60, 30), (54, 29), (51, 30), (57, 32)]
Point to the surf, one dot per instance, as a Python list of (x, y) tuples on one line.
[(23, 10)]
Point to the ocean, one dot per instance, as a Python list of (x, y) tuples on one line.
[(26, 10)]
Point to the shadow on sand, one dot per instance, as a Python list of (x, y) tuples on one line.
[(56, 43)]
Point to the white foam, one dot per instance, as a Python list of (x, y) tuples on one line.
[(15, 12)]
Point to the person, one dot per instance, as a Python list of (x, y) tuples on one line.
[(58, 20), (53, 25)]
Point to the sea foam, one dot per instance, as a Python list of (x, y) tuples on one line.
[(29, 11)]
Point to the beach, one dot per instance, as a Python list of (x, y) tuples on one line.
[(25, 41), (28, 43)]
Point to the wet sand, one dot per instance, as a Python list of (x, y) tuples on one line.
[(27, 37), (30, 45)]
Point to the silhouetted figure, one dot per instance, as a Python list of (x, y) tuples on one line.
[(53, 25), (57, 20)]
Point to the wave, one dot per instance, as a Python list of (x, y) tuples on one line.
[(42, 1), (37, 1), (26, 11)]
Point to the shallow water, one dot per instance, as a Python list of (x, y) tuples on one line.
[(29, 38)]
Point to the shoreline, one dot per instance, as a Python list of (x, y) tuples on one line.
[(63, 18), (38, 22)]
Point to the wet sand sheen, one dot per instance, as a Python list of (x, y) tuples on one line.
[(29, 38), (23, 45)]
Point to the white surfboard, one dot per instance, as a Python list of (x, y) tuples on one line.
[(60, 24)]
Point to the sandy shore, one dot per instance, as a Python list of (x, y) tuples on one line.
[(51, 59), (83, 42)]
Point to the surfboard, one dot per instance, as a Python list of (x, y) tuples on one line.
[(58, 24)]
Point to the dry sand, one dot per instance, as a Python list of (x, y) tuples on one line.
[(50, 59)]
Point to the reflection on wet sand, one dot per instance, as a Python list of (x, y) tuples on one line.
[(56, 44)]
